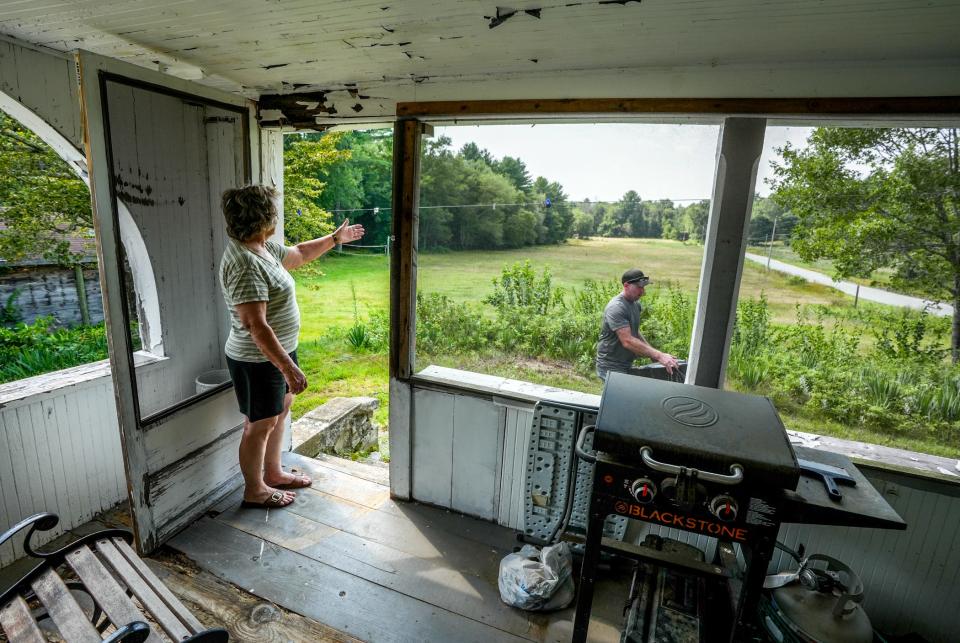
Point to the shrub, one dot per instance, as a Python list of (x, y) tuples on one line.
[(33, 349)]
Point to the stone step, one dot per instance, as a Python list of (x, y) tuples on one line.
[(342, 426)]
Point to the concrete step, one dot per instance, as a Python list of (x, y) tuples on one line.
[(342, 426)]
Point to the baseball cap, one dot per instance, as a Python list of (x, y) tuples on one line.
[(635, 276)]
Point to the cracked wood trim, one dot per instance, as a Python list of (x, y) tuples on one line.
[(857, 106)]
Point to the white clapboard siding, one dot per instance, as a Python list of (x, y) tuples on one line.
[(910, 577), (59, 451)]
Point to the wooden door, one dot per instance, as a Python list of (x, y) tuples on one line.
[(160, 151)]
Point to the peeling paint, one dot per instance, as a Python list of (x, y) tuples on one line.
[(274, 66), (502, 17), (357, 108)]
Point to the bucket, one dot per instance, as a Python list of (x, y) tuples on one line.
[(212, 379)]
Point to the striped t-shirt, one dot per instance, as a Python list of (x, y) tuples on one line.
[(245, 276)]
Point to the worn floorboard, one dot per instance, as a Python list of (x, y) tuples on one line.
[(340, 600), (347, 555), (248, 618)]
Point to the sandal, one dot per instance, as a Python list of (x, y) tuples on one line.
[(299, 482), (275, 501)]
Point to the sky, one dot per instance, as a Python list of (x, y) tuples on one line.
[(601, 162)]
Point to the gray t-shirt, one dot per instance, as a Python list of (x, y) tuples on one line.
[(619, 313), (246, 276)]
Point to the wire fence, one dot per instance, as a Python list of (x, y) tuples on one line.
[(357, 250)]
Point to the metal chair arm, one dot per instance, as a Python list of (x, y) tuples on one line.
[(135, 632), (38, 522)]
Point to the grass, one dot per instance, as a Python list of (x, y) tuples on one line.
[(334, 369)]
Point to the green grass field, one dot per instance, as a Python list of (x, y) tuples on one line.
[(331, 291)]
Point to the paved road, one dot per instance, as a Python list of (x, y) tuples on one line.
[(867, 293)]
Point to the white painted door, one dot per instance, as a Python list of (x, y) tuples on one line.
[(160, 152)]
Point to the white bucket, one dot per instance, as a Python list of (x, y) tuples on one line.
[(212, 379)]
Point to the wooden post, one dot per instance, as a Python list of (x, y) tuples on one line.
[(81, 294), (403, 260), (738, 154), (403, 299)]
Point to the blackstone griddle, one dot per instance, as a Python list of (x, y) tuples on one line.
[(711, 462)]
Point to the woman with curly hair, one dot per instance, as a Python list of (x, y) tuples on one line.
[(264, 327)]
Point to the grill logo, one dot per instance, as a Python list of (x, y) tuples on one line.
[(690, 411)]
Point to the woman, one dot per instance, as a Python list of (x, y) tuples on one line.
[(264, 327)]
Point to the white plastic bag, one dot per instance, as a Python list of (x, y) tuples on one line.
[(537, 580)]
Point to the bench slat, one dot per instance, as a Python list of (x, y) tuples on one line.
[(162, 591), (18, 623), (63, 609), (152, 600), (109, 595)]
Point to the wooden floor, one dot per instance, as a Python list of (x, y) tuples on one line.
[(347, 556)]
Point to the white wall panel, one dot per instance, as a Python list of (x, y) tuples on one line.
[(432, 455), (59, 452), (477, 434)]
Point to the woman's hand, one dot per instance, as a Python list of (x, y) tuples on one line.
[(347, 233), (295, 379)]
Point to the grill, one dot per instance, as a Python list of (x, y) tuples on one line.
[(711, 462)]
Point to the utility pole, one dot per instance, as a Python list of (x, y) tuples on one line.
[(773, 235)]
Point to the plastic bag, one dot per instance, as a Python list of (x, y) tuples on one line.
[(537, 580)]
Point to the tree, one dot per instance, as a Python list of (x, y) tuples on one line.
[(42, 201), (630, 210), (472, 152), (305, 158), (516, 171), (370, 168), (557, 213), (696, 215), (874, 198), (582, 223)]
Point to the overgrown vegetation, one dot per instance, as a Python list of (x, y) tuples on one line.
[(31, 349), (898, 385)]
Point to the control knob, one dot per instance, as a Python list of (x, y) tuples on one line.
[(643, 490), (724, 507)]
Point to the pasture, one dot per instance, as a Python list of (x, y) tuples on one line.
[(339, 291)]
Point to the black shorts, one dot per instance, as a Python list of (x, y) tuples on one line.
[(259, 386)]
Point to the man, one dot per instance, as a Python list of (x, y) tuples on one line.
[(620, 339)]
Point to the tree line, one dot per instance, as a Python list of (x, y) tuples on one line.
[(470, 200)]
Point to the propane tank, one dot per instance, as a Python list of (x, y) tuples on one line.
[(818, 603)]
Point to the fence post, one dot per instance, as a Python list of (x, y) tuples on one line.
[(81, 294), (773, 236)]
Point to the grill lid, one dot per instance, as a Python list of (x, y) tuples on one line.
[(694, 426)]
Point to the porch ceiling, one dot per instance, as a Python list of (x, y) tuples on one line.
[(367, 55)]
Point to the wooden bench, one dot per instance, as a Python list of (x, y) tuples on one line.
[(129, 603)]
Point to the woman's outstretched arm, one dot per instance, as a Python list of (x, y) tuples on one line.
[(307, 251)]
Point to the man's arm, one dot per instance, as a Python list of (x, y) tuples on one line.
[(641, 347), (307, 251), (253, 317)]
